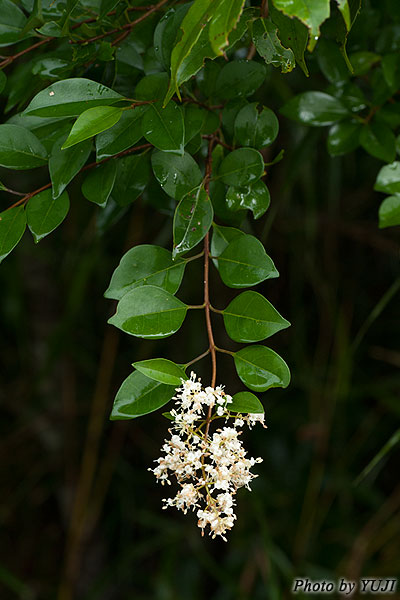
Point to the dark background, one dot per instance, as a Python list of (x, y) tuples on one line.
[(80, 514)]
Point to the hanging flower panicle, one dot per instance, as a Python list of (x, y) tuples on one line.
[(209, 468)]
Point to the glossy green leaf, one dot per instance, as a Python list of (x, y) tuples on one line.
[(152, 87), (20, 148), (139, 395), (261, 368), (65, 164), (391, 70), (225, 17), (241, 167), (254, 197), (311, 12), (221, 238), (251, 318), (254, 128), (44, 213), (269, 46), (164, 127), (166, 33), (244, 263), (331, 62), (388, 179), (12, 23), (133, 173), (389, 212), (99, 183), (344, 8), (240, 78), (91, 122), (363, 61), (315, 108), (189, 52), (177, 175), (192, 220), (245, 403), (379, 141), (162, 370), (230, 112), (71, 97), (12, 227), (146, 265), (293, 34), (149, 312), (195, 121), (343, 138), (122, 135)]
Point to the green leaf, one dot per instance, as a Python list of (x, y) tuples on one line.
[(107, 6), (196, 121), (166, 33), (388, 179), (343, 137), (293, 34), (363, 61), (149, 312), (245, 403), (389, 212), (269, 46), (261, 368), (229, 113), (391, 70), (192, 220), (133, 173), (195, 38), (162, 370), (122, 135), (65, 164), (146, 265), (139, 395), (221, 238), (20, 149), (256, 129), (344, 8), (44, 213), (164, 127), (91, 122), (331, 62), (177, 175), (71, 97), (12, 23), (379, 140), (244, 263), (240, 78), (152, 87), (241, 167), (251, 318), (12, 227), (224, 20), (349, 10), (315, 108), (311, 12), (98, 185), (254, 197)]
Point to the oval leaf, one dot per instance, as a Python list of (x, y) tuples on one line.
[(44, 213), (255, 197), (139, 395), (389, 212), (261, 368), (70, 97), (379, 141), (162, 370), (149, 312), (164, 127), (241, 167), (146, 265), (388, 179), (65, 164), (244, 263), (123, 135), (20, 148), (177, 175), (251, 318), (192, 220), (315, 108), (245, 402), (12, 227), (98, 185), (256, 129), (91, 122)]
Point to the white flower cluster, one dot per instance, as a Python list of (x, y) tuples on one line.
[(209, 468)]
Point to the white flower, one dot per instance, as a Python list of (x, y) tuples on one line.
[(209, 468)]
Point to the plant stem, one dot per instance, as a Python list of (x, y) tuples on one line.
[(191, 362)]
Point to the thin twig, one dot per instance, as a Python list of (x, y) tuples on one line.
[(191, 362)]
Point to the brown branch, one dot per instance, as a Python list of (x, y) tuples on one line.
[(28, 196), (206, 286), (11, 59), (125, 28)]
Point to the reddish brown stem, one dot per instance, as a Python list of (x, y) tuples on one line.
[(11, 59)]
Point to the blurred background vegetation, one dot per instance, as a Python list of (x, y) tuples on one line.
[(80, 514)]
